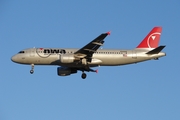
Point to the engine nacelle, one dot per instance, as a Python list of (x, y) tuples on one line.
[(95, 61), (63, 71), (67, 58)]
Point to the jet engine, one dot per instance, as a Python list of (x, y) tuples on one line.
[(67, 58), (63, 71)]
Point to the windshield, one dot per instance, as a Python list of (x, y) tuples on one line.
[(21, 52)]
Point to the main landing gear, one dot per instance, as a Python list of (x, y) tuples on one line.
[(32, 69), (83, 75)]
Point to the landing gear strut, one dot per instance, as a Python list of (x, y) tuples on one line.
[(32, 69), (83, 75)]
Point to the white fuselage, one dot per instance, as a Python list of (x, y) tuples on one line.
[(102, 57)]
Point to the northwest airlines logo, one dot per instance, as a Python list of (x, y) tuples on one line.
[(47, 52), (153, 40)]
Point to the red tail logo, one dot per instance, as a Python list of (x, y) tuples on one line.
[(152, 39)]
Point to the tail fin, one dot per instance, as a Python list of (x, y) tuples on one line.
[(152, 39)]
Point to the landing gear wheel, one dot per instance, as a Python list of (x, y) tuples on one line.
[(31, 71), (83, 75)]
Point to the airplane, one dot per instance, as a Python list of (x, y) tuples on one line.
[(70, 61)]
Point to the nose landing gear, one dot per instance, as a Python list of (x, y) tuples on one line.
[(32, 69)]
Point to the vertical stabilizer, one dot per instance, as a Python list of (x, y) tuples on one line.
[(152, 39)]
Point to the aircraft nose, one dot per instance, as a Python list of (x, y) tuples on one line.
[(14, 58)]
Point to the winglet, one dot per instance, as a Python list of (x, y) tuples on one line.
[(108, 32), (93, 70)]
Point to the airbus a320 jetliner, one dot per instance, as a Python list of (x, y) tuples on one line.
[(72, 60)]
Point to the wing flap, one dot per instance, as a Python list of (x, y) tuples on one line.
[(90, 50), (96, 43)]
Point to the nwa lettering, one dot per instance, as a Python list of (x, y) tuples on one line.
[(54, 51), (44, 53)]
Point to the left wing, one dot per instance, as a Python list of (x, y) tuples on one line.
[(88, 50)]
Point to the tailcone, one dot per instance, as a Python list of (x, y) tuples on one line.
[(156, 56), (161, 54)]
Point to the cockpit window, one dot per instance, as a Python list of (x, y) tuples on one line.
[(21, 52)]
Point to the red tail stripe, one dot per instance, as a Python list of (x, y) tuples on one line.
[(152, 39)]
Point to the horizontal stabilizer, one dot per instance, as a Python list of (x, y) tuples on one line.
[(156, 50)]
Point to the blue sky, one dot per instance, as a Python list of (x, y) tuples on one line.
[(148, 90)]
